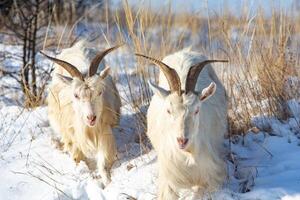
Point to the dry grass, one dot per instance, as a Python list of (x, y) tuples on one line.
[(262, 52), (257, 85), (260, 49)]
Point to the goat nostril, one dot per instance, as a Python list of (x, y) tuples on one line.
[(182, 140), (91, 117), (185, 141)]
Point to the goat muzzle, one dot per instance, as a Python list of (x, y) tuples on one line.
[(91, 119), (182, 142)]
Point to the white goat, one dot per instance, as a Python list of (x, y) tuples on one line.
[(84, 108), (187, 119)]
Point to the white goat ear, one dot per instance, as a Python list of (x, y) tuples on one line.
[(104, 72), (158, 90), (66, 79), (208, 91)]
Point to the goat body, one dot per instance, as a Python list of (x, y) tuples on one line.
[(195, 164), (95, 96)]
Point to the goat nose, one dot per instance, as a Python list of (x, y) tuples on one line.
[(91, 117), (182, 140)]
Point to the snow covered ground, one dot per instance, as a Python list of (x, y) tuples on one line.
[(263, 165)]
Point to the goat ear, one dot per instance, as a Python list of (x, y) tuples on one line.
[(65, 79), (208, 91), (104, 72), (158, 90)]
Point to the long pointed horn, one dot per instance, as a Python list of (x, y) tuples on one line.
[(194, 72), (98, 58), (72, 70), (171, 75)]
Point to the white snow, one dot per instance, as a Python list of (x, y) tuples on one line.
[(32, 168)]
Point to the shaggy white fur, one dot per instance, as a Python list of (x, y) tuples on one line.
[(200, 117), (84, 112)]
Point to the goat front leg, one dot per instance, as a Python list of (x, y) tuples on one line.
[(165, 191), (77, 154), (106, 155), (67, 146), (66, 139)]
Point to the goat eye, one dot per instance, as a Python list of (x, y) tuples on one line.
[(100, 93), (76, 96), (197, 111), (168, 111)]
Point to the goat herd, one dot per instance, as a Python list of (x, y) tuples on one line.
[(187, 117)]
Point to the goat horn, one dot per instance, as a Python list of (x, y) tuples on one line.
[(98, 58), (194, 72), (171, 75), (72, 70)]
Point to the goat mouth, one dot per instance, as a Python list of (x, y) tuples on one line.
[(91, 123), (183, 146), (182, 142)]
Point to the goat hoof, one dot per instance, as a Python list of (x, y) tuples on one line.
[(77, 160), (106, 180), (103, 182), (95, 176)]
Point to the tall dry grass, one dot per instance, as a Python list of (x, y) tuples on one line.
[(262, 60), (262, 50)]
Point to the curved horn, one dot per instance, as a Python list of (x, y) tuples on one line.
[(171, 75), (72, 70), (194, 72), (98, 58)]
